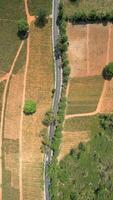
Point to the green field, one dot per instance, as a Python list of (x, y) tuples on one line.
[(81, 123), (87, 6), (87, 172), (36, 5), (11, 10), (84, 94), (9, 44)]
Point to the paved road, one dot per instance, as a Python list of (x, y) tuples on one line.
[(58, 84)]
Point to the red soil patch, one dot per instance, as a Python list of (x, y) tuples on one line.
[(77, 50), (71, 140)]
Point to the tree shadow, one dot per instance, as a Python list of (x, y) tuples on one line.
[(40, 24), (105, 74), (22, 35)]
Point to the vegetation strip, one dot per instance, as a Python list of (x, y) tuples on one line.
[(62, 49)]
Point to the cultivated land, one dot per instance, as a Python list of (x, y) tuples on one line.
[(85, 160), (38, 88), (11, 10), (87, 6), (8, 36), (36, 5), (84, 94), (90, 48)]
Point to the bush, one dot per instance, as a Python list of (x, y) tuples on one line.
[(23, 28), (108, 71), (41, 18), (49, 118), (29, 107)]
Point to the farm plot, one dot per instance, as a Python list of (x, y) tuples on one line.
[(11, 10), (98, 48), (36, 5), (77, 51), (9, 44), (39, 87), (10, 168), (87, 6), (84, 94), (86, 123), (72, 140), (11, 139)]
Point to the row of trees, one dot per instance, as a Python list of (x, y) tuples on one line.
[(61, 50), (92, 16)]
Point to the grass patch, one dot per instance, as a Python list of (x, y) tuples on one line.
[(84, 94), (13, 9), (36, 5), (81, 124), (9, 44), (20, 63), (87, 6)]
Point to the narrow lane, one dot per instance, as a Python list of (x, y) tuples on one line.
[(57, 95)]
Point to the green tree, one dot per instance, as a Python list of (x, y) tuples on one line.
[(23, 28), (41, 18), (29, 107)]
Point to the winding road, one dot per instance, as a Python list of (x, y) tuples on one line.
[(57, 95)]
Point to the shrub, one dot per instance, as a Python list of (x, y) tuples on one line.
[(41, 18), (23, 28), (49, 118), (29, 107)]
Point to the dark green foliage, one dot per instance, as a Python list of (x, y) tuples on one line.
[(29, 107), (92, 16), (49, 118), (108, 71), (23, 28), (41, 18)]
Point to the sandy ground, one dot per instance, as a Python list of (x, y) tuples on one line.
[(71, 140)]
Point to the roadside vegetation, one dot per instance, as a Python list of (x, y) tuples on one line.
[(108, 71)]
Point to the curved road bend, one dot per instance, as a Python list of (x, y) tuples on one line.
[(57, 95)]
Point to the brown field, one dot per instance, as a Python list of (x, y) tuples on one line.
[(71, 140), (98, 41), (88, 48), (11, 138), (77, 50), (39, 87)]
